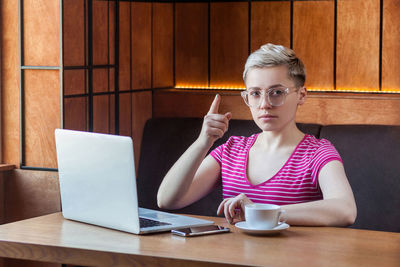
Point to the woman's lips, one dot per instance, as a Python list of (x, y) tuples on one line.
[(267, 117)]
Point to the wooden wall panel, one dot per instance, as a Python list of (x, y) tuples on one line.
[(319, 108), (75, 113), (141, 45), (270, 23), (73, 33), (335, 109), (141, 112), (124, 45), (191, 44), (41, 32), (9, 82), (313, 41), (391, 45), (103, 114), (42, 116), (162, 45), (74, 82), (100, 32), (195, 104), (228, 43), (358, 45)]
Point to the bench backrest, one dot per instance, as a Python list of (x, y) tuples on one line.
[(371, 158)]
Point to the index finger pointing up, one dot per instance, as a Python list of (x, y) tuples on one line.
[(215, 105)]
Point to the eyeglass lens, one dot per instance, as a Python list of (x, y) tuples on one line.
[(276, 97)]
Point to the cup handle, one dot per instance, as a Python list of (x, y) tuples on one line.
[(279, 220)]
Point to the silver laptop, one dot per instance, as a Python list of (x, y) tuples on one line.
[(98, 185)]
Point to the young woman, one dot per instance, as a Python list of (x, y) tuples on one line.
[(281, 165)]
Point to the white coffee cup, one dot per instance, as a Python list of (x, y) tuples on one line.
[(263, 216)]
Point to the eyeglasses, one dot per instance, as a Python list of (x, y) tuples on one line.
[(276, 96)]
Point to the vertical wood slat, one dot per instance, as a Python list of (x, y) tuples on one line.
[(391, 46), (111, 5), (270, 23), (100, 32), (358, 45), (228, 43), (125, 114), (103, 45), (101, 82), (124, 46), (73, 33), (141, 45), (41, 33), (111, 112), (103, 114), (135, 109), (162, 45), (74, 82), (191, 44), (313, 41), (75, 113), (142, 111), (111, 79), (42, 117)]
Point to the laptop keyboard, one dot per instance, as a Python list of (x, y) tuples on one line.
[(144, 222)]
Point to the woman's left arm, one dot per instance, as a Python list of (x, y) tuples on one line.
[(338, 207)]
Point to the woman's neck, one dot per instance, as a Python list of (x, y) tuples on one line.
[(289, 136)]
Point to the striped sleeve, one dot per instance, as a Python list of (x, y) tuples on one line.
[(217, 153), (226, 148), (324, 154)]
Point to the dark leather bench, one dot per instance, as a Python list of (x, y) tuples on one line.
[(371, 156)]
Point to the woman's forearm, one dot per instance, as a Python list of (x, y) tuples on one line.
[(327, 212), (179, 178)]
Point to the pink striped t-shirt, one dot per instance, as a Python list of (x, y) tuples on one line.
[(295, 182)]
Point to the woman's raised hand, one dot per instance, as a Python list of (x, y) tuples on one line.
[(214, 125)]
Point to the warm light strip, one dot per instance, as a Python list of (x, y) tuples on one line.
[(210, 87), (352, 90)]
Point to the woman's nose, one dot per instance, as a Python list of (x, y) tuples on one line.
[(264, 102)]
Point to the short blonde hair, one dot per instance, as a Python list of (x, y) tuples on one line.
[(270, 55)]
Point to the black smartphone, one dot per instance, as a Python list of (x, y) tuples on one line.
[(200, 230)]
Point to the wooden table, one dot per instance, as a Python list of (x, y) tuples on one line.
[(51, 238)]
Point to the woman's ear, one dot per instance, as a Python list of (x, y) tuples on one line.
[(302, 95)]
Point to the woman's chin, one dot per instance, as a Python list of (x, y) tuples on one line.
[(267, 126)]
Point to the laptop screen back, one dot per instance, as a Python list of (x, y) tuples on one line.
[(97, 179)]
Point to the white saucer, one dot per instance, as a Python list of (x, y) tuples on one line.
[(243, 226)]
